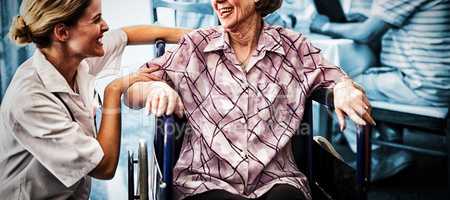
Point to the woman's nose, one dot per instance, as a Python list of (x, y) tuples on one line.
[(104, 26)]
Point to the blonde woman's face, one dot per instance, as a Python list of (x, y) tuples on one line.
[(232, 13), (86, 35)]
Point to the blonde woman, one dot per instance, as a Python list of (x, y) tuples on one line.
[(49, 147)]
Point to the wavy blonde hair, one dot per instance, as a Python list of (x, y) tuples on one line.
[(38, 17)]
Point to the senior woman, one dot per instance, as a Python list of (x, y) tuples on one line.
[(243, 86)]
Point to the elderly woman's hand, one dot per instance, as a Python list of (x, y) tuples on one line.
[(163, 100), (350, 100)]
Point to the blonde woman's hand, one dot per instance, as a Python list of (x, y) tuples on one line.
[(163, 100), (142, 75), (350, 100)]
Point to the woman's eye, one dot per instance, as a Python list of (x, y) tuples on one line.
[(98, 20)]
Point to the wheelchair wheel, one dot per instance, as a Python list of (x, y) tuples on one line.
[(142, 162)]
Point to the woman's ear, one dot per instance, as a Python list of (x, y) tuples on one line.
[(61, 32)]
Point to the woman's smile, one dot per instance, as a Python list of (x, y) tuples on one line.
[(225, 11), (100, 40)]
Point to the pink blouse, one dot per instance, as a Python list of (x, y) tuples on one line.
[(242, 122)]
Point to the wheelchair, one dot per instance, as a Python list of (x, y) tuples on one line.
[(330, 178)]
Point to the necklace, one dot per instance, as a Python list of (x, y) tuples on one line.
[(243, 67), (244, 63)]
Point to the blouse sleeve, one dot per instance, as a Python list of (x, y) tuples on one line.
[(173, 62), (318, 71), (43, 127)]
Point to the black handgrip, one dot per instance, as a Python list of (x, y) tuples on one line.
[(160, 46)]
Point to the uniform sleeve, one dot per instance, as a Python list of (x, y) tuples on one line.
[(395, 12), (43, 127), (173, 62), (114, 43), (317, 70)]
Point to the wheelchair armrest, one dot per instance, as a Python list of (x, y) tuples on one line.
[(363, 159), (164, 144), (323, 96)]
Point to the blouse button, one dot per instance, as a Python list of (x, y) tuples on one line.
[(242, 120), (243, 154)]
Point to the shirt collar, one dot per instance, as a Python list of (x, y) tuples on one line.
[(269, 40), (219, 40), (52, 79)]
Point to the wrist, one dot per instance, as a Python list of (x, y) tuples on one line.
[(343, 83), (113, 88)]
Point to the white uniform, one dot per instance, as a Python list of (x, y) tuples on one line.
[(44, 153)]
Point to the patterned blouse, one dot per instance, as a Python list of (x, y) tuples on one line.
[(242, 121)]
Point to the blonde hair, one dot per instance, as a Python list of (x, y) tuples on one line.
[(38, 17)]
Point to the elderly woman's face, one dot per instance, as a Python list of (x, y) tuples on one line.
[(233, 12)]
